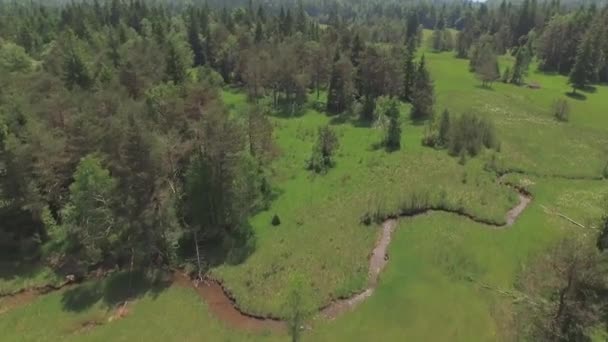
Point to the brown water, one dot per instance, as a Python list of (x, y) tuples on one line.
[(224, 308)]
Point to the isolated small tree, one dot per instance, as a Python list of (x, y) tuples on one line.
[(322, 155), (561, 110), (487, 70), (299, 305), (520, 68), (276, 221), (392, 140)]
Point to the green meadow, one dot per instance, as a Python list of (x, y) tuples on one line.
[(445, 270)]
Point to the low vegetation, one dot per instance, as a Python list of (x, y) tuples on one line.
[(262, 145)]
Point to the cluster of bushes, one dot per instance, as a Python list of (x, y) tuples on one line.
[(463, 136)]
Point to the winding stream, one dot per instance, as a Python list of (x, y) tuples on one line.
[(226, 309)]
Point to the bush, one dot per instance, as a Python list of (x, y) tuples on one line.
[(561, 110), (276, 221), (469, 134)]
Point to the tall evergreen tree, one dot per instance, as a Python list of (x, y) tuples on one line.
[(520, 68), (583, 70), (423, 97), (195, 40), (339, 95), (409, 70)]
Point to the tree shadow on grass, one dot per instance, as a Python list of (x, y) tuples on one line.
[(576, 96), (232, 249), (114, 290), (486, 87), (590, 89)]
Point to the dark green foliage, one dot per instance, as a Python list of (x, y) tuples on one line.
[(470, 133), (582, 72), (520, 68), (178, 60), (409, 70), (444, 129), (340, 93), (276, 221), (90, 215), (368, 109), (77, 71), (423, 96), (322, 154), (392, 141)]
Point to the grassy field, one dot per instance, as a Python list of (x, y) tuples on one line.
[(431, 287)]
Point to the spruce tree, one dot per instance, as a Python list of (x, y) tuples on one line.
[(423, 96), (339, 95), (582, 71), (409, 70), (195, 41), (444, 128), (520, 68)]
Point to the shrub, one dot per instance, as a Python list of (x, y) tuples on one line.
[(469, 134), (276, 221), (561, 110)]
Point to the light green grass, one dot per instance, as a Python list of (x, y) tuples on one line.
[(426, 294), (320, 234), (160, 314)]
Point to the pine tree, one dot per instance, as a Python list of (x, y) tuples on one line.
[(409, 70), (582, 71), (423, 96), (339, 96), (178, 60), (195, 41), (356, 51), (444, 128), (259, 32), (520, 68), (76, 70), (301, 20)]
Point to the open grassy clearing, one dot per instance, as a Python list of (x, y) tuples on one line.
[(331, 246), (532, 140), (432, 257)]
